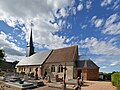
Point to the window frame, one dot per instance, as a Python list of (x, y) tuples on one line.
[(30, 69), (60, 68), (53, 68)]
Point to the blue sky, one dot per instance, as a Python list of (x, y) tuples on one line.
[(93, 25)]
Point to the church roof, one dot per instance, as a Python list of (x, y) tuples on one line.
[(35, 59), (86, 64), (68, 54)]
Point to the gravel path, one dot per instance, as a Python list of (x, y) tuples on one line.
[(98, 85)]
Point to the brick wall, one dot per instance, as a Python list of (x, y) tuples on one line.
[(93, 74), (90, 74)]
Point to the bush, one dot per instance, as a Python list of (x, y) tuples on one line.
[(116, 80), (2, 73)]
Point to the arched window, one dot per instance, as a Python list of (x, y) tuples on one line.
[(60, 68), (19, 69), (53, 68), (29, 69), (24, 68)]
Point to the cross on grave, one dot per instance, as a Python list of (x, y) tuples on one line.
[(64, 84), (36, 75)]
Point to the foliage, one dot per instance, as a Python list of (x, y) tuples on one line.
[(6, 65), (2, 54), (15, 63), (107, 76), (116, 79), (2, 73)]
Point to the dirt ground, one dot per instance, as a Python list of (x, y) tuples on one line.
[(98, 85), (90, 85)]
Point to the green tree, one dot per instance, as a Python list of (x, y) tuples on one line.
[(15, 63), (2, 54)]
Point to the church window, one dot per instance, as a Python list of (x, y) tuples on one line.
[(60, 68), (19, 69), (30, 70), (53, 68), (24, 68)]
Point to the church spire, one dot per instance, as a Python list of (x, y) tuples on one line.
[(30, 47), (31, 40)]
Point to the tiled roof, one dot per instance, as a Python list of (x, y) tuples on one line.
[(68, 54), (35, 59), (86, 64)]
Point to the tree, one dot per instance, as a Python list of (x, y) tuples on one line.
[(2, 54), (15, 63)]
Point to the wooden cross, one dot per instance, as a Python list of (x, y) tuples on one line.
[(64, 84)]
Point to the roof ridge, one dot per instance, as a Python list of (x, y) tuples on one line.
[(76, 49), (48, 56), (65, 47)]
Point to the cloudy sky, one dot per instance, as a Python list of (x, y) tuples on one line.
[(93, 25)]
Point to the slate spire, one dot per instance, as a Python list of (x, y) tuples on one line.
[(30, 47)]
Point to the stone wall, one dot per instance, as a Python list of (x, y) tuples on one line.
[(26, 69), (69, 71)]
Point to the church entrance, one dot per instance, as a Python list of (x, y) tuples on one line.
[(79, 73)]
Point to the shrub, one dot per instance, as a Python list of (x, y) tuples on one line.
[(2, 73), (116, 80)]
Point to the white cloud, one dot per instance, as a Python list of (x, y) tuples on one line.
[(48, 41), (100, 60), (9, 47), (63, 12), (100, 47), (69, 39), (83, 26), (93, 19), (107, 62), (88, 4), (105, 2), (4, 43), (12, 58), (112, 25), (112, 19), (116, 4), (116, 62), (104, 67), (80, 7), (21, 13), (97, 22), (73, 10), (41, 13)]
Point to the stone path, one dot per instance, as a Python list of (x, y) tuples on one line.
[(98, 85)]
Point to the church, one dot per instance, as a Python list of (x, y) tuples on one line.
[(53, 61)]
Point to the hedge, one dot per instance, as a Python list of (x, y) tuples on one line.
[(116, 80)]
